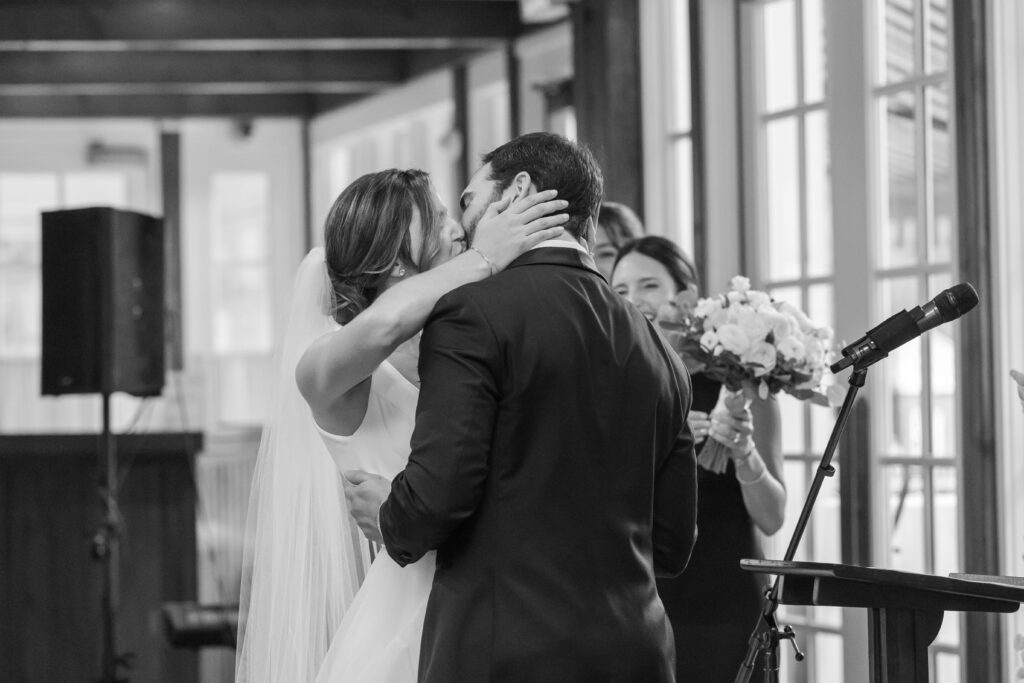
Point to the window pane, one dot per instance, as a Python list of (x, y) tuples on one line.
[(827, 528), (241, 318), (793, 295), (21, 302), (898, 230), (814, 51), (23, 196), (905, 513), (819, 199), (828, 660), (947, 664), (942, 375), (937, 30), (940, 229), (680, 46), (792, 425), (797, 483), (820, 310), (897, 38), (900, 378), (945, 492), (779, 60), (783, 192), (240, 216), (95, 188), (682, 155)]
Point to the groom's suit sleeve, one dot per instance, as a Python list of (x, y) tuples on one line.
[(675, 497), (447, 470)]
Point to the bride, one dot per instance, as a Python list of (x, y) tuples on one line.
[(350, 351)]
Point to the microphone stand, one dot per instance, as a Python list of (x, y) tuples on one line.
[(763, 645)]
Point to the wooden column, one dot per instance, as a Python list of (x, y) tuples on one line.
[(460, 92), (170, 183), (606, 88), (977, 381), (512, 73)]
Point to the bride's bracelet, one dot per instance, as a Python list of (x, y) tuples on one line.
[(490, 264)]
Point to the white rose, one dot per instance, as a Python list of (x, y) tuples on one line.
[(801, 318), (709, 340), (735, 297), (732, 338), (751, 322), (706, 307), (739, 283), (815, 350), (761, 354), (716, 319), (782, 325), (758, 299), (790, 348)]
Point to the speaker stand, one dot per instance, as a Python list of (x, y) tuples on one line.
[(106, 550)]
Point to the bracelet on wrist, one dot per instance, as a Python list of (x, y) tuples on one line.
[(490, 264), (747, 462)]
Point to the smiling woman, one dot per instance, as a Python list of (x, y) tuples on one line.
[(651, 272), (713, 604)]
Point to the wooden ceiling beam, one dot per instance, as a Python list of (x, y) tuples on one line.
[(166, 24), (359, 70), (171, 106)]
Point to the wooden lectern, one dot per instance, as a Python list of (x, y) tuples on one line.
[(906, 609)]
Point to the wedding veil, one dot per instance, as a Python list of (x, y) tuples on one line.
[(303, 560)]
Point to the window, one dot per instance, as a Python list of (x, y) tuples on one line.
[(789, 232), (916, 418), (902, 254), (668, 120)]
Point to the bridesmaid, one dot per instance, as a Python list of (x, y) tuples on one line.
[(713, 605)]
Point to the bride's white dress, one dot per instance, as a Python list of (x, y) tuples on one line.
[(378, 640)]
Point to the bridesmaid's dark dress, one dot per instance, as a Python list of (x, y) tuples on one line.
[(713, 605)]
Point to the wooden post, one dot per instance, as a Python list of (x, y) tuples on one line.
[(606, 88), (983, 633)]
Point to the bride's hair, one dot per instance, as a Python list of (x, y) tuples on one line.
[(367, 233)]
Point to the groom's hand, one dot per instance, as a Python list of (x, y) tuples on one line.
[(365, 493)]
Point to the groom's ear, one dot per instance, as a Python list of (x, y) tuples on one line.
[(522, 185)]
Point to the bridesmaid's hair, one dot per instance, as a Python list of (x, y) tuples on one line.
[(367, 233), (680, 267), (619, 222)]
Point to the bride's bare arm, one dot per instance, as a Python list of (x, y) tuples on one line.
[(332, 373)]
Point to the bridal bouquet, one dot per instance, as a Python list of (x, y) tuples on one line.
[(746, 339)]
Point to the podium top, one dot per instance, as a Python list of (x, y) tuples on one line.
[(890, 578)]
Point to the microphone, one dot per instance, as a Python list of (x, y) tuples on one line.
[(950, 304)]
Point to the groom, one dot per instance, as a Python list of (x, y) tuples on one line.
[(552, 467)]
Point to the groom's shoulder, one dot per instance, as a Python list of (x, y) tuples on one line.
[(468, 299)]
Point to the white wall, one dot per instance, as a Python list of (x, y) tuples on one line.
[(407, 127)]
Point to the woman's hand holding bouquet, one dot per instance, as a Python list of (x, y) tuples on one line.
[(755, 346)]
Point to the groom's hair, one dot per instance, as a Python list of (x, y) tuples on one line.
[(554, 163)]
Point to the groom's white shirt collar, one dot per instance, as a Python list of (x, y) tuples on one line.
[(562, 244)]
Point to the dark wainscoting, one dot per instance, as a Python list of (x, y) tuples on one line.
[(51, 621)]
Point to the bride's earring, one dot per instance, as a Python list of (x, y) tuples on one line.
[(398, 270)]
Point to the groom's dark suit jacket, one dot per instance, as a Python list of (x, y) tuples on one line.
[(553, 470)]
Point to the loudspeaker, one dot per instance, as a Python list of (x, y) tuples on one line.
[(103, 302)]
